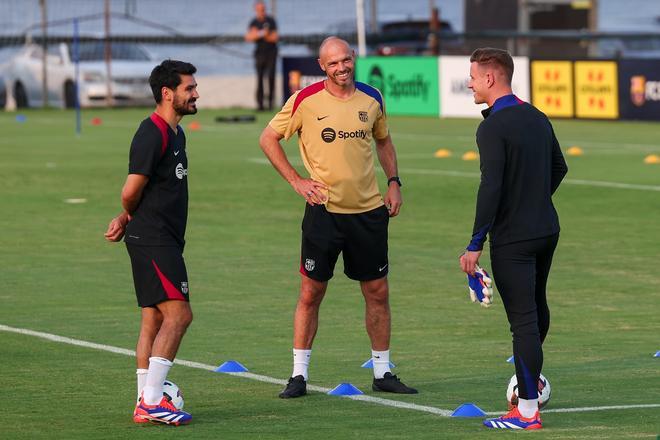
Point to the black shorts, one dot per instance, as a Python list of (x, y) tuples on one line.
[(159, 274), (362, 238)]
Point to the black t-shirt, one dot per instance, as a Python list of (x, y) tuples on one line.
[(263, 46), (159, 153), (521, 167)]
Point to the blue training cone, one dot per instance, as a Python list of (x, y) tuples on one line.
[(21, 118), (510, 360), (345, 389), (370, 364), (231, 367), (468, 410), (657, 354)]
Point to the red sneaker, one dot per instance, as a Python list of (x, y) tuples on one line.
[(136, 417), (163, 412), (514, 420)]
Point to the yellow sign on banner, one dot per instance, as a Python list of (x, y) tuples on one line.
[(552, 87), (596, 89)]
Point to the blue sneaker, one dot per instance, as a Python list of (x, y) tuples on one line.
[(514, 420), (163, 412)]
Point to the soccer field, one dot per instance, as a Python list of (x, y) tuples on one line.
[(60, 277)]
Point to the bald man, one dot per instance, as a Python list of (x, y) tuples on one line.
[(345, 213)]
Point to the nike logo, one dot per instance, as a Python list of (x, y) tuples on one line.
[(380, 269), (176, 153), (321, 118)]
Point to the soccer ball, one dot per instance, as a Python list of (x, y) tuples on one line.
[(544, 391), (171, 391)]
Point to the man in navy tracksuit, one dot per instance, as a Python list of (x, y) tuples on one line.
[(521, 167)]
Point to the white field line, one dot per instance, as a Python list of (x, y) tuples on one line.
[(243, 127), (268, 379), (191, 364), (596, 183), (403, 171)]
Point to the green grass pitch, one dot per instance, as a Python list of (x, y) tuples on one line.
[(59, 276)]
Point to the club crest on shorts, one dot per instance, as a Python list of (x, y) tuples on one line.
[(184, 287), (364, 116), (309, 264)]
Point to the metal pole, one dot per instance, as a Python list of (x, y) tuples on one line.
[(374, 16), (76, 61), (593, 27), (523, 26), (44, 48), (434, 27), (108, 55), (361, 36), (273, 8)]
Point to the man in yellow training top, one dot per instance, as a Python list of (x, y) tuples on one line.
[(336, 119)]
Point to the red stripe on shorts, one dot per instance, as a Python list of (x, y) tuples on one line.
[(171, 291)]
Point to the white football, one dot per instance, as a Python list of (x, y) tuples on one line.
[(173, 392), (543, 387)]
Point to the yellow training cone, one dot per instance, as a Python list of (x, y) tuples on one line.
[(652, 158), (575, 151), (470, 155), (442, 153)]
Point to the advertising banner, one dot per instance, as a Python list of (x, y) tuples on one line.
[(408, 84), (456, 99), (596, 89), (552, 87), (639, 89), (298, 73)]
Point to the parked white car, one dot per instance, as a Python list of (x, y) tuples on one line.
[(130, 69)]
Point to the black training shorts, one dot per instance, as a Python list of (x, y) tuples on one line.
[(159, 274), (362, 238)]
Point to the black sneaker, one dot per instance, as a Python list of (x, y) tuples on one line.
[(296, 387), (392, 384)]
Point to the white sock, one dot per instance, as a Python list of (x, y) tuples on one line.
[(381, 361), (528, 407), (301, 362), (141, 374), (153, 389)]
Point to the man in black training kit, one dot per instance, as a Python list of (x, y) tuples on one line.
[(155, 211), (521, 167), (263, 31)]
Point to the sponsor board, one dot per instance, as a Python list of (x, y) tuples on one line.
[(596, 89), (552, 87), (455, 97), (298, 73), (639, 89), (409, 84)]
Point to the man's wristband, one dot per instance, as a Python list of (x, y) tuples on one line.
[(394, 179)]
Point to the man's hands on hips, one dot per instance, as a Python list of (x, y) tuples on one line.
[(393, 200), (311, 190), (469, 260)]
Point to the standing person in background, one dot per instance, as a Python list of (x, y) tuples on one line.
[(336, 121), (155, 211), (263, 31), (521, 168)]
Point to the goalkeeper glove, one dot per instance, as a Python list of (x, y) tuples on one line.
[(480, 286)]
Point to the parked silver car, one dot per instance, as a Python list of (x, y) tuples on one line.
[(130, 69)]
